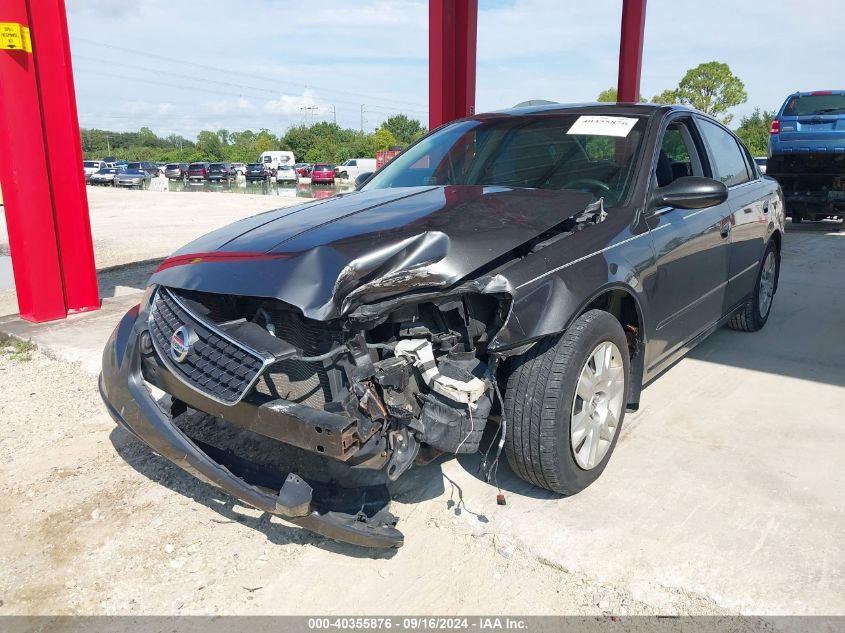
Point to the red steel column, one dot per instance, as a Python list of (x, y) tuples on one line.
[(452, 42), (26, 187), (631, 50), (54, 73)]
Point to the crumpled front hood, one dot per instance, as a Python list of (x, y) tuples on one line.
[(328, 257)]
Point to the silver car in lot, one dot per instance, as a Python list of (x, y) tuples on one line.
[(104, 176), (285, 173), (139, 178)]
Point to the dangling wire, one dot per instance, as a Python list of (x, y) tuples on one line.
[(471, 429)]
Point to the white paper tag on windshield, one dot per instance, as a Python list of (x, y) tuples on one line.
[(599, 125)]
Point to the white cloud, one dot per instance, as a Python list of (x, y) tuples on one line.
[(230, 106), (274, 60), (292, 105)]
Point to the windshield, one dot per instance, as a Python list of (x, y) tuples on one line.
[(559, 151), (815, 104)]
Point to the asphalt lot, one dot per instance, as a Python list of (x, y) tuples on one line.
[(724, 495)]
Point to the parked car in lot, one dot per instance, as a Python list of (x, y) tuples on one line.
[(219, 172), (322, 173), (238, 169), (198, 171), (139, 178), (761, 162), (354, 167), (547, 275), (807, 154), (285, 173), (256, 171), (104, 176), (90, 167), (274, 159), (151, 168), (176, 171), (302, 169)]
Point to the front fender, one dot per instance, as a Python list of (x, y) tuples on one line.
[(549, 304)]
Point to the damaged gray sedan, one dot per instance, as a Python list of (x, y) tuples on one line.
[(529, 269)]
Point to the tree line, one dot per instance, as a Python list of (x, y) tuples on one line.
[(712, 88), (318, 143)]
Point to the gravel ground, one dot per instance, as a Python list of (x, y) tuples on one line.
[(95, 523)]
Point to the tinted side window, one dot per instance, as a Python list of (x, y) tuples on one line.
[(729, 163)]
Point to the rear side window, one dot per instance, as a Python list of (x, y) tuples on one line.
[(809, 105), (197, 166), (729, 164)]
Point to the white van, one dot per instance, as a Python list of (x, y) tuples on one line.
[(354, 167), (273, 160)]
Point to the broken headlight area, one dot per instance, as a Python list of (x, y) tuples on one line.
[(368, 390)]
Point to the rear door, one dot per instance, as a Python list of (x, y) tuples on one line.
[(691, 247), (749, 208)]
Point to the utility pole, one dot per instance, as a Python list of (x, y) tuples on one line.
[(334, 114), (362, 118), (309, 110)]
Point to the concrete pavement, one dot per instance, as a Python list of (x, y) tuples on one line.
[(726, 486)]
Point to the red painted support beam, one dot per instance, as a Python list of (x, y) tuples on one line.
[(631, 50), (452, 42), (41, 171), (54, 73), (26, 186)]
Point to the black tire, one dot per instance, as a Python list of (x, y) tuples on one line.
[(796, 218), (749, 319), (539, 401)]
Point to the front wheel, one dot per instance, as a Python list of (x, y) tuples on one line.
[(565, 402), (755, 313)]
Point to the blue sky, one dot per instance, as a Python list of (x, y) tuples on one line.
[(179, 66)]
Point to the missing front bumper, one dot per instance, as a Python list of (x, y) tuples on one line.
[(307, 504)]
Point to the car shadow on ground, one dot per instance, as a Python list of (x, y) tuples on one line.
[(419, 484)]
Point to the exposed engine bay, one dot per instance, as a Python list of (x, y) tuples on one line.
[(418, 374)]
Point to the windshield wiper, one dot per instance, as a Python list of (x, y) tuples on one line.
[(829, 110)]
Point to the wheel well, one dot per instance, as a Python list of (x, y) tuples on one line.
[(777, 238), (624, 307)]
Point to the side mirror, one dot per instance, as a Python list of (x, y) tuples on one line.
[(362, 178), (691, 192)]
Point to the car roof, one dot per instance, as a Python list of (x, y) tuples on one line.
[(620, 108), (817, 92)]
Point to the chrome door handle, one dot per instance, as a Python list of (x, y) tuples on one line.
[(725, 229)]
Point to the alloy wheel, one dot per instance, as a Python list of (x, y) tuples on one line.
[(597, 406)]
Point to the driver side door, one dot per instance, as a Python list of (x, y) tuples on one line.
[(691, 249)]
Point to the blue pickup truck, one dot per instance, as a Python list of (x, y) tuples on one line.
[(807, 154)]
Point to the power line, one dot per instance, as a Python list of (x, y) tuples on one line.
[(219, 92), (147, 54)]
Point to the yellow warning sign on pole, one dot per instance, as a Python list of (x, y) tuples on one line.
[(15, 37)]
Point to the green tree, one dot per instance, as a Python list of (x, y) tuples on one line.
[(611, 96), (667, 96), (384, 139), (712, 88), (754, 130), (404, 129), (209, 145)]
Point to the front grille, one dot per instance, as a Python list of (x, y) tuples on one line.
[(215, 366), (295, 380)]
